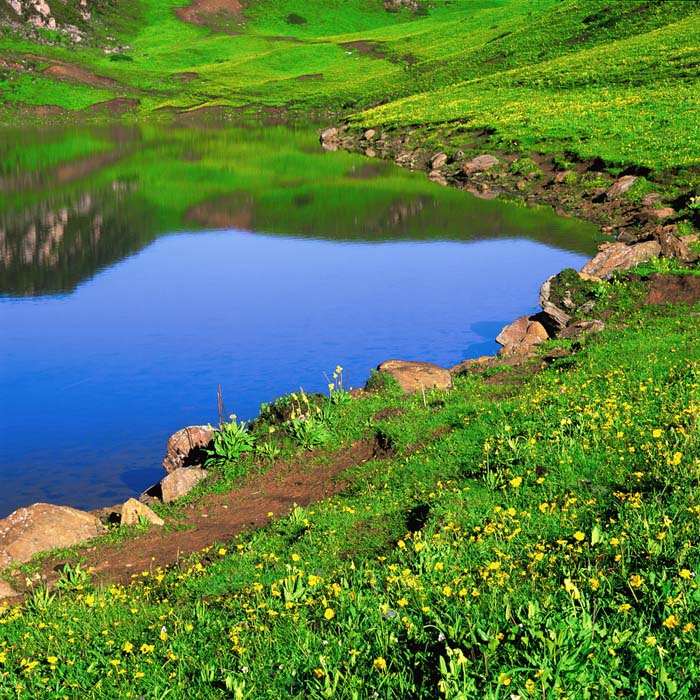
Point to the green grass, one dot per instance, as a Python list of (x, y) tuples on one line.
[(545, 545), (591, 78)]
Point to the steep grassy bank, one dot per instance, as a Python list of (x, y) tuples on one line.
[(535, 539)]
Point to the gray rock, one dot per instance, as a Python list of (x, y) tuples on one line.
[(581, 328), (479, 164), (620, 187), (438, 161)]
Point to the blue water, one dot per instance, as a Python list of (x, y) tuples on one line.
[(93, 382)]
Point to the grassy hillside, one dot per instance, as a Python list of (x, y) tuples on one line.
[(594, 78)]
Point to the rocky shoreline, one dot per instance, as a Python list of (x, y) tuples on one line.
[(643, 231)]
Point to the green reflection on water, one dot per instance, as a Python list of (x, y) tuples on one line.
[(75, 201)]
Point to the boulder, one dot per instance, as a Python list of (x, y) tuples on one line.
[(186, 447), (521, 337), (620, 187), (672, 246), (479, 164), (41, 528), (180, 482), (370, 153), (369, 134), (437, 161), (414, 376), (618, 256), (133, 511)]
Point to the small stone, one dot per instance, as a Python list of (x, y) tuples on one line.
[(479, 164), (369, 134), (438, 161), (370, 153), (620, 187), (133, 511)]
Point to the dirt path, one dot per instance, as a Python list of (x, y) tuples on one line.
[(217, 518)]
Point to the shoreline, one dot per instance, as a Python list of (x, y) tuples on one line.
[(449, 171)]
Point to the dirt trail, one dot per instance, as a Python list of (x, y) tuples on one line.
[(219, 517)]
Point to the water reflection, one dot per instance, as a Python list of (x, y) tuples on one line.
[(113, 339), (67, 211)]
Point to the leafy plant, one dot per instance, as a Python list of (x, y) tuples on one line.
[(308, 431), (229, 442)]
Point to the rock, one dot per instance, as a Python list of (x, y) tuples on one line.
[(649, 200), (661, 214), (437, 176), (370, 152), (41, 528), (329, 134), (618, 256), (133, 511), (620, 187), (559, 317), (186, 447), (561, 177), (581, 328), (6, 591), (438, 161), (412, 376), (672, 246), (180, 482), (466, 366), (479, 164), (521, 337), (634, 235), (369, 134)]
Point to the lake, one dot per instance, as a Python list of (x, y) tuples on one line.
[(143, 266)]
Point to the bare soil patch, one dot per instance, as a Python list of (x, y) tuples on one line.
[(211, 13), (116, 107), (70, 72), (673, 289)]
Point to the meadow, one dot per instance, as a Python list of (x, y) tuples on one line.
[(527, 537)]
